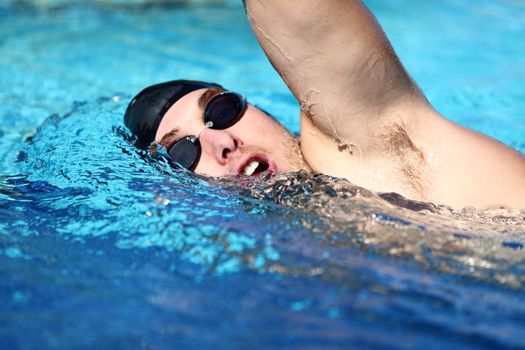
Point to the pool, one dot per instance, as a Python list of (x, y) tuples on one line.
[(100, 247)]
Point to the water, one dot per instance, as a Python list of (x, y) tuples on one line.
[(101, 247)]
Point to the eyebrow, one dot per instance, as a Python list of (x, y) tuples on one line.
[(171, 137), (208, 95)]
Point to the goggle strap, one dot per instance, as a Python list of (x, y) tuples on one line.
[(208, 124)]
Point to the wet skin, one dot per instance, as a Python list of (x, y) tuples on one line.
[(255, 137), (364, 119)]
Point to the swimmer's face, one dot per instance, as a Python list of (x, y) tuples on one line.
[(255, 144)]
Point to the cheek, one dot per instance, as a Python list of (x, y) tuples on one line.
[(208, 167), (270, 135), (260, 129)]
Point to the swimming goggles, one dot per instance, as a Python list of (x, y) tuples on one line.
[(221, 112)]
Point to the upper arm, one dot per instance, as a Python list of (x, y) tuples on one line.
[(336, 60)]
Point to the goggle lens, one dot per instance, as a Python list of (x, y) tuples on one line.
[(224, 110), (186, 152)]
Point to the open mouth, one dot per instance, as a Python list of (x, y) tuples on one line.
[(256, 165)]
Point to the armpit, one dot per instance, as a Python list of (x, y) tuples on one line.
[(410, 159)]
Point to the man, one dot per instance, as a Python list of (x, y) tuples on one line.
[(362, 116)]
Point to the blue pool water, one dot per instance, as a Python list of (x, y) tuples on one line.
[(100, 247)]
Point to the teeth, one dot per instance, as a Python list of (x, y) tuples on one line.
[(250, 168)]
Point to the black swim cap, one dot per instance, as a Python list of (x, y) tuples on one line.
[(146, 110)]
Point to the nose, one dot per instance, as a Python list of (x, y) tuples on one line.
[(220, 144)]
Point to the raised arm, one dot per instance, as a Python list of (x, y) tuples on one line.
[(362, 116), (336, 60)]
